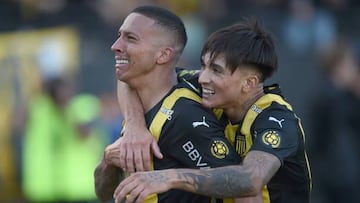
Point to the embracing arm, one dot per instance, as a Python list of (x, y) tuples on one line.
[(130, 104), (240, 180), (137, 140), (243, 180)]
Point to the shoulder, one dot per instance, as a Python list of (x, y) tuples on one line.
[(190, 77), (277, 117), (187, 108), (187, 73)]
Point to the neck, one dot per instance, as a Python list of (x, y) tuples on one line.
[(238, 112), (155, 86)]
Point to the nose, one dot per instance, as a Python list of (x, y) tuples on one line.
[(117, 45), (204, 76)]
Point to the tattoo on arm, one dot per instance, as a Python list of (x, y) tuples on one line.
[(265, 165), (154, 177), (232, 181), (220, 182)]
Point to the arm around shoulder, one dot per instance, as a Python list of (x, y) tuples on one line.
[(245, 180), (130, 104), (137, 139)]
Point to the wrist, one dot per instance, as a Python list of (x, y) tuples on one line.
[(134, 128), (134, 122)]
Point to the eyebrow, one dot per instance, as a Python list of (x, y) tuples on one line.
[(127, 33), (212, 64), (215, 65)]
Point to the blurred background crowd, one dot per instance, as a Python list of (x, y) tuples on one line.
[(58, 105)]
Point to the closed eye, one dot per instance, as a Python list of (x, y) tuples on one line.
[(128, 36), (216, 68), (202, 64), (131, 38)]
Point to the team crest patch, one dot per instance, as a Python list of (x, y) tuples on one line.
[(219, 149), (272, 138)]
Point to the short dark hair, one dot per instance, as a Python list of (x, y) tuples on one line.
[(167, 20), (244, 43)]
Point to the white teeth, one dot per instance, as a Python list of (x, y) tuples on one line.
[(207, 91), (122, 61)]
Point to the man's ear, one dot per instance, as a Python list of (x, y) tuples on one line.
[(251, 82), (165, 55)]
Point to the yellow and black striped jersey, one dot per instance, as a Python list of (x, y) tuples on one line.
[(270, 125), (189, 136)]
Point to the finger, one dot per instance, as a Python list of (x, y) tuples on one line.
[(123, 189), (137, 194), (113, 156), (133, 196), (122, 156), (108, 154), (146, 159), (138, 159), (142, 196), (156, 150), (130, 160)]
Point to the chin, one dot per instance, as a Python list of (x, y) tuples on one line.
[(120, 74), (120, 77), (208, 104)]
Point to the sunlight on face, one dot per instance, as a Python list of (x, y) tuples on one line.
[(136, 47), (221, 88)]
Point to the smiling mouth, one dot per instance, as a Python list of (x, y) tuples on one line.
[(121, 62), (208, 91)]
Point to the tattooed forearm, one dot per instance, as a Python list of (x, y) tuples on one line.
[(106, 180), (232, 181), (264, 165), (220, 182), (155, 177)]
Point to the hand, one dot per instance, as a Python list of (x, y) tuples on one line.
[(133, 150), (139, 185), (113, 155)]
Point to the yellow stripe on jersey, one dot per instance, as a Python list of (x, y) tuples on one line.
[(161, 117), (218, 113), (264, 102), (230, 132), (243, 145), (306, 157), (228, 200), (266, 195)]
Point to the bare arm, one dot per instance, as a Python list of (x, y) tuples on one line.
[(138, 141), (243, 180), (240, 180), (107, 177), (130, 104)]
